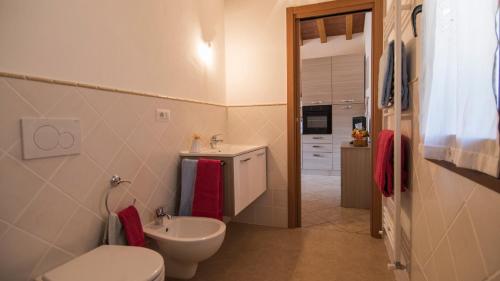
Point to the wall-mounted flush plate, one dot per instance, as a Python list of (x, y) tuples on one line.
[(47, 137), (162, 115)]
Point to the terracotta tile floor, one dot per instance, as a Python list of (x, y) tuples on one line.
[(321, 205), (335, 245)]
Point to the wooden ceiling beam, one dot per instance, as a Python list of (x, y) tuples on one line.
[(320, 24), (348, 27)]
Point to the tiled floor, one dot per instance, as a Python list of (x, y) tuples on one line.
[(334, 246), (316, 253), (321, 205)]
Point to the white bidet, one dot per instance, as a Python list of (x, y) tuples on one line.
[(186, 241)]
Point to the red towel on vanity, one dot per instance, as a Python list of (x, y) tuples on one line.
[(208, 189), (131, 222), (384, 170)]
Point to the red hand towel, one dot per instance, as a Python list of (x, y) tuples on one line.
[(208, 189), (384, 170), (131, 222)]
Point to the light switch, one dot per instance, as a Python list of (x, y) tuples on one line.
[(48, 137)]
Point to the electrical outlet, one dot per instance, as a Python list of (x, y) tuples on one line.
[(162, 115)]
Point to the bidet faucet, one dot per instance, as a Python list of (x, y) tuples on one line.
[(214, 141), (160, 213)]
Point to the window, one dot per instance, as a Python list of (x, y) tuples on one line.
[(459, 84)]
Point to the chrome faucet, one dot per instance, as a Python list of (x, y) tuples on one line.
[(160, 213), (214, 141)]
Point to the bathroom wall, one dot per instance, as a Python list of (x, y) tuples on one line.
[(147, 46), (255, 34), (255, 56), (335, 46), (454, 221), (264, 125), (52, 209)]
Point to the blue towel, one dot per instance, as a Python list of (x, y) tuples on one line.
[(387, 94), (188, 178)]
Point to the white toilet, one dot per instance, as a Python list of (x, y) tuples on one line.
[(186, 241), (111, 263)]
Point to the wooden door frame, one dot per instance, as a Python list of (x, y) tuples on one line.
[(293, 16)]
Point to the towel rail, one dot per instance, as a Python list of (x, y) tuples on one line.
[(396, 263)]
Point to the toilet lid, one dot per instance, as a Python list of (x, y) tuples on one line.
[(110, 263)]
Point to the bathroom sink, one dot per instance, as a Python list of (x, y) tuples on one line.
[(225, 150)]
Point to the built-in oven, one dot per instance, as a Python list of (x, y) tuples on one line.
[(317, 120)]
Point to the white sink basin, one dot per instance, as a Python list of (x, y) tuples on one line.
[(225, 150)]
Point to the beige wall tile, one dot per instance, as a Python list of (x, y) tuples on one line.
[(101, 101), (47, 214), (42, 96), (82, 234), (144, 184), (12, 108), (95, 198), (126, 164), (140, 141), (52, 259), (484, 208), (102, 144), (496, 277), (434, 218), (440, 266), (465, 249), (17, 187), (121, 118), (3, 228), (263, 125), (74, 106), (79, 167), (44, 167), (451, 190), (20, 253), (420, 239)]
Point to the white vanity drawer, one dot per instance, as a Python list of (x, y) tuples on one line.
[(317, 147), (316, 138), (317, 160)]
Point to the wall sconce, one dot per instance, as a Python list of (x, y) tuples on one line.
[(205, 52)]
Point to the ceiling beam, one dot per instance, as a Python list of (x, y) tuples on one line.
[(348, 27), (320, 24)]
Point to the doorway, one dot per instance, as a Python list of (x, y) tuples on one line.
[(314, 171)]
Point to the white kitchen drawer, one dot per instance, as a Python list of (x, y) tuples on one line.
[(316, 138), (317, 147), (317, 160)]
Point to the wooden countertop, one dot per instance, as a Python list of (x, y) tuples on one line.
[(348, 145)]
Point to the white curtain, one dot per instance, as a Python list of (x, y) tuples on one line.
[(458, 88)]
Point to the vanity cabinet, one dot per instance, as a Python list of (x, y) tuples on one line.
[(245, 177), (249, 178)]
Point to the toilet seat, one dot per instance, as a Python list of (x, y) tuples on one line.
[(111, 263)]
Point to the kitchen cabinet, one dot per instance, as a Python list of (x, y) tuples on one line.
[(356, 176), (348, 77), (316, 81)]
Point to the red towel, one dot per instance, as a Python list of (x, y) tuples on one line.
[(384, 170), (131, 222), (208, 189)]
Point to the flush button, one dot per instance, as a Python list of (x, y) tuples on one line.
[(48, 137)]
